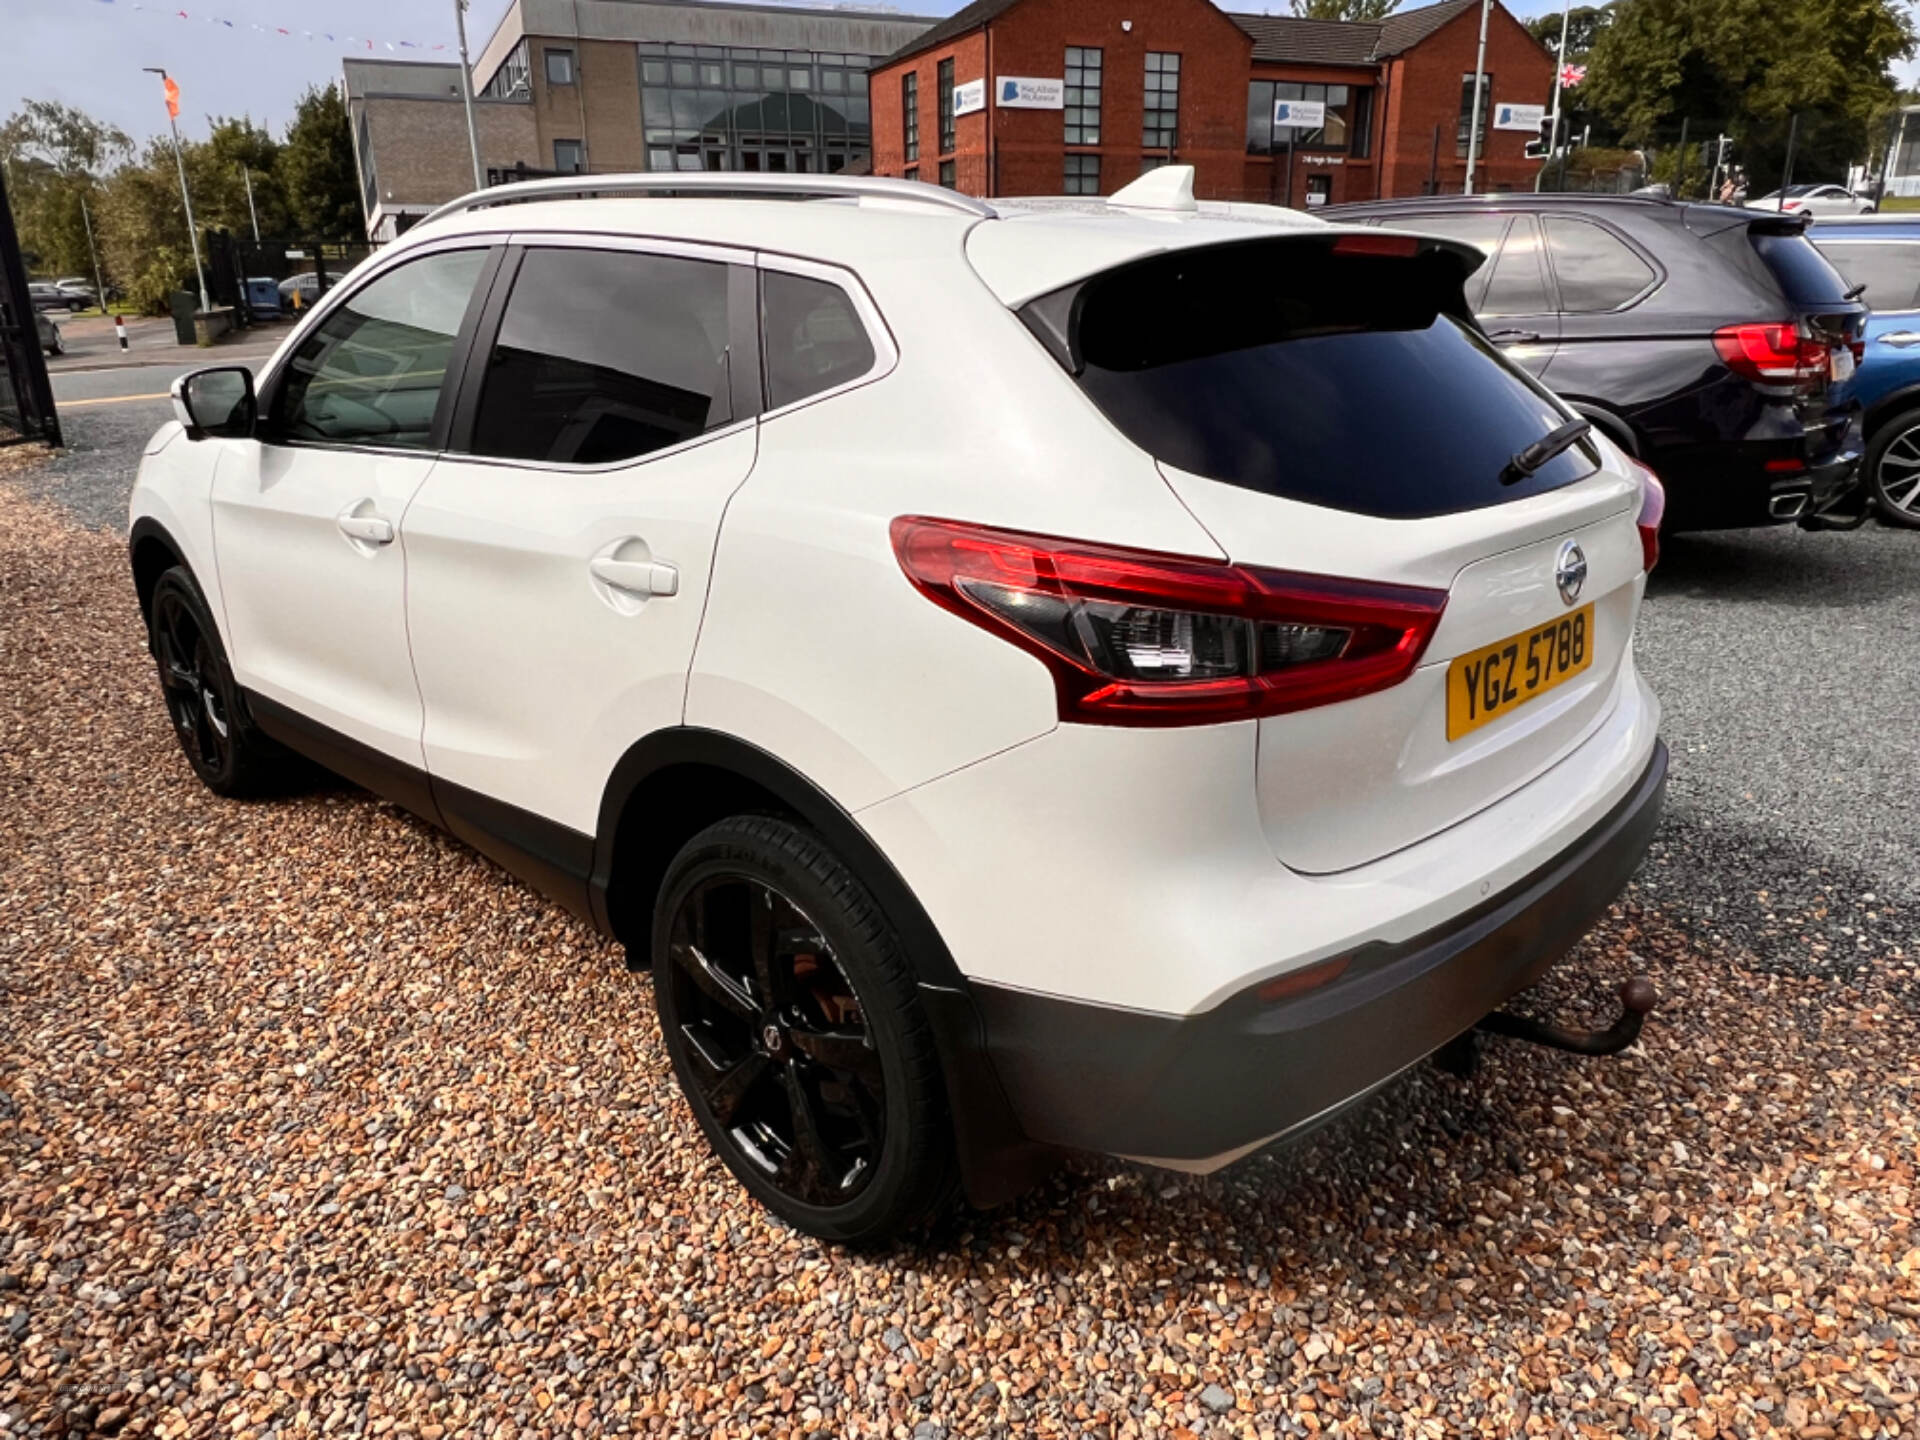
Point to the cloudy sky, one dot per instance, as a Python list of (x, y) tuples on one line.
[(89, 53)]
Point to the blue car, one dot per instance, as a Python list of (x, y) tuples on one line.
[(1882, 253)]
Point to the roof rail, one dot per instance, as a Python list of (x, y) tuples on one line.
[(736, 184)]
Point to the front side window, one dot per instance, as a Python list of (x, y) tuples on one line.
[(811, 337), (946, 107), (1083, 175), (1597, 270), (1083, 98), (1160, 123), (1460, 133), (371, 373), (560, 67), (569, 156), (606, 355), (910, 113)]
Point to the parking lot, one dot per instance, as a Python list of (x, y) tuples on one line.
[(312, 1121)]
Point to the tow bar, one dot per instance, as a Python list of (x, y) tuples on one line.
[(1637, 999)]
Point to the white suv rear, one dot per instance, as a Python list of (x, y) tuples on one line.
[(1123, 676)]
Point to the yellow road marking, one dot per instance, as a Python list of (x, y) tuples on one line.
[(111, 400)]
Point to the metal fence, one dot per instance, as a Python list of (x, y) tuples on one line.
[(26, 395)]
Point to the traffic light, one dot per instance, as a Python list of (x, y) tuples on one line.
[(1543, 147)]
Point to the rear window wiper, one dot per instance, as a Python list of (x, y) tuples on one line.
[(1526, 461)]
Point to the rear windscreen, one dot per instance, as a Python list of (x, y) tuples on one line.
[(1803, 272), (1346, 380)]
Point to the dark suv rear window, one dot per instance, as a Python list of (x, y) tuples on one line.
[(1348, 380), (1803, 272)]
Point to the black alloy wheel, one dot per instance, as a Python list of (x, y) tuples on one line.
[(793, 1021), (226, 752)]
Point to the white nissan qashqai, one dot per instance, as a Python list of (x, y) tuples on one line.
[(1127, 675)]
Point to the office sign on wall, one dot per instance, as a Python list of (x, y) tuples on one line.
[(1023, 92), (1299, 114), (969, 97), (1519, 117)]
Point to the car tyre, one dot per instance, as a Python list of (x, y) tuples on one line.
[(1892, 468), (792, 1016), (210, 720)]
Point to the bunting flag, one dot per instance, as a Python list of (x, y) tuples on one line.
[(358, 42)]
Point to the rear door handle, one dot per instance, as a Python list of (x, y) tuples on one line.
[(636, 577), (372, 529), (1514, 337), (1900, 338)]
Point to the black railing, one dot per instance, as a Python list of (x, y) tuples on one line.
[(26, 395)]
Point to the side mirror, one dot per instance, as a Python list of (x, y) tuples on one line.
[(217, 402)]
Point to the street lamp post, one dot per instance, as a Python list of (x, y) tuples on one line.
[(1479, 80), (99, 283), (193, 239), (466, 91)]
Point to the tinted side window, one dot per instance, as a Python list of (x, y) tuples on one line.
[(1889, 269), (372, 371), (605, 355), (1518, 286), (1481, 231), (1596, 268), (813, 338), (1801, 270)]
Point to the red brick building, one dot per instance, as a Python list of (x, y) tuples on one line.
[(1044, 97)]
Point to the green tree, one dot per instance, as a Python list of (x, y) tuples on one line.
[(316, 171), (1364, 10), (1747, 67), (56, 157)]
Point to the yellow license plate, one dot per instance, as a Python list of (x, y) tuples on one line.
[(1499, 678)]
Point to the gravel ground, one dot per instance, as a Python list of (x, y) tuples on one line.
[(313, 1122)]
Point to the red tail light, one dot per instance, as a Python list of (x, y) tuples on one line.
[(1138, 638), (1653, 508), (1772, 353)]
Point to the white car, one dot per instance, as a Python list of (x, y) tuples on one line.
[(1126, 676), (1814, 200)]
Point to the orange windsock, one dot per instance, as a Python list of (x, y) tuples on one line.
[(173, 97)]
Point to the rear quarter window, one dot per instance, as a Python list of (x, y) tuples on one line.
[(1352, 381), (1595, 269)]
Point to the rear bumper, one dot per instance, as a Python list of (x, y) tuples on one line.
[(1199, 1091), (1730, 486)]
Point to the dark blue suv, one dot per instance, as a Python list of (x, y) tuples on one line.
[(1882, 253)]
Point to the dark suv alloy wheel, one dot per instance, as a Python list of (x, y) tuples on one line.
[(229, 755), (792, 1017)]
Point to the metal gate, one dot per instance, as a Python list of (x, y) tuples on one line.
[(26, 396)]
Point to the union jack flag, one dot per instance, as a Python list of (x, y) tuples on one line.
[(1572, 75)]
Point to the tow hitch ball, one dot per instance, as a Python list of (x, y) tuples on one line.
[(1637, 998)]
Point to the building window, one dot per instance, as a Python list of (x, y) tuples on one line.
[(718, 107), (946, 109), (510, 81), (910, 113), (1083, 175), (1360, 123), (1264, 139), (1160, 129), (559, 67), (569, 156), (1466, 109), (1083, 100), (913, 172), (947, 177)]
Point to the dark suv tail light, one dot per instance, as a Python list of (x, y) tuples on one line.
[(1773, 353), (1138, 638)]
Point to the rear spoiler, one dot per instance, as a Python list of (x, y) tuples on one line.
[(1709, 220)]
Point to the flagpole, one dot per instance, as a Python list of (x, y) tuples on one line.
[(1559, 73), (193, 239), (1479, 81)]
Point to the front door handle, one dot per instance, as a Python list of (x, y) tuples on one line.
[(369, 529), (636, 577), (1514, 337), (1900, 338)]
